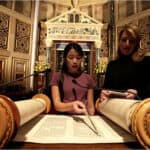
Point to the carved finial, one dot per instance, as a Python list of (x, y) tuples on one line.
[(74, 3)]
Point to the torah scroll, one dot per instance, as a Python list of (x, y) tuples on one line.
[(15, 114), (132, 115)]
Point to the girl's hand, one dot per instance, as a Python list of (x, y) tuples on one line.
[(78, 107)]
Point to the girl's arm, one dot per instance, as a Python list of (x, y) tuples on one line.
[(90, 99), (76, 106)]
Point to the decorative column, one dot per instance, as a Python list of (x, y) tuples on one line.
[(112, 29), (48, 50), (49, 43), (41, 82), (98, 45)]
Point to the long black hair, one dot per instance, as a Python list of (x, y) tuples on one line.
[(69, 46)]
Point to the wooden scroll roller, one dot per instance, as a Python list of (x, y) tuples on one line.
[(15, 114), (132, 115)]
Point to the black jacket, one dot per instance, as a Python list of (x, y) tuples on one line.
[(123, 74)]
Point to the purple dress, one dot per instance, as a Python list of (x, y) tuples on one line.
[(74, 88)]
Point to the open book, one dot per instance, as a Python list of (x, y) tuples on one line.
[(119, 120), (71, 129)]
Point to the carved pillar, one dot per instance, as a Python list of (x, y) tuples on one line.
[(41, 81), (48, 50), (112, 29), (49, 43), (98, 45)]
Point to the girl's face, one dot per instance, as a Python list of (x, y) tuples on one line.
[(73, 61), (126, 43)]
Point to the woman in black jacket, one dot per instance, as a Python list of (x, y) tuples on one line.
[(129, 72)]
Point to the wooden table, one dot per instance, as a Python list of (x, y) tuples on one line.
[(122, 146)]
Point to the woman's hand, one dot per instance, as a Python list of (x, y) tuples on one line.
[(131, 93), (104, 95)]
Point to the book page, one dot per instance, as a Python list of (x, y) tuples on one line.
[(71, 129)]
